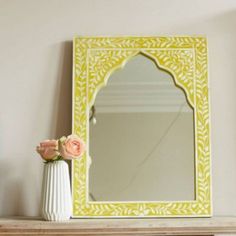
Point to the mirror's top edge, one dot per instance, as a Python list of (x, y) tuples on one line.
[(183, 41), (138, 36)]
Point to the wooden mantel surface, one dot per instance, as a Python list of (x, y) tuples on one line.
[(180, 226)]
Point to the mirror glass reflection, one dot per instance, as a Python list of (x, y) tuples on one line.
[(142, 143)]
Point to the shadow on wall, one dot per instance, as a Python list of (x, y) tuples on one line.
[(62, 120), (63, 100)]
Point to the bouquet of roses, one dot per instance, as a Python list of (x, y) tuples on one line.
[(65, 148)]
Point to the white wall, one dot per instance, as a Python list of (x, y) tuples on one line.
[(35, 77)]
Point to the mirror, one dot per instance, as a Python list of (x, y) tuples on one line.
[(142, 144), (148, 155)]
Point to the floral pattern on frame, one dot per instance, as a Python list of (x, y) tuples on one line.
[(94, 59)]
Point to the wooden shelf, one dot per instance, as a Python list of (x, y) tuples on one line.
[(180, 226)]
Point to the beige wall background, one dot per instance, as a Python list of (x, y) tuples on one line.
[(35, 77)]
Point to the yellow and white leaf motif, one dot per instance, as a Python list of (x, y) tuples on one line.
[(95, 58)]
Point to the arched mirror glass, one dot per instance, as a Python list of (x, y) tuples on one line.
[(142, 143)]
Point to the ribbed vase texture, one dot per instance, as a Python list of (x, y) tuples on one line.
[(56, 194)]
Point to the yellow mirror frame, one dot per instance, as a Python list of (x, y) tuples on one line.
[(94, 59)]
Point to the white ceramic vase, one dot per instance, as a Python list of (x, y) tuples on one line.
[(56, 200)]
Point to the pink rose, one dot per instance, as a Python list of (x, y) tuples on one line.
[(71, 147), (48, 149)]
